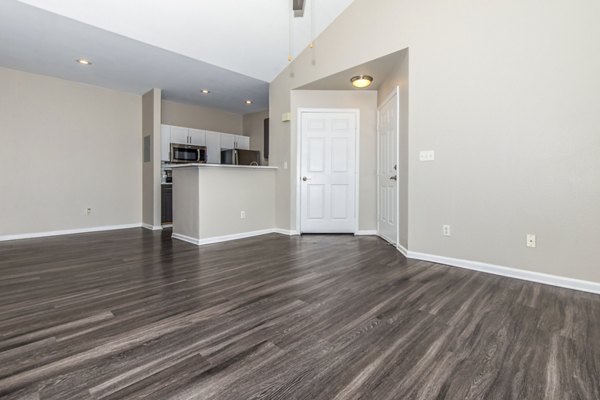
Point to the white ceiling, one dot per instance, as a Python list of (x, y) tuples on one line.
[(231, 47), (37, 41), (379, 68), (248, 37), (234, 48)]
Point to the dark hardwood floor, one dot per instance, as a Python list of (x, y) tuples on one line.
[(134, 315)]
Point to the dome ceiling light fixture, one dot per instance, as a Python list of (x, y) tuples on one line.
[(361, 81)]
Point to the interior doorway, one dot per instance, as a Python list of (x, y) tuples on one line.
[(388, 132), (328, 165)]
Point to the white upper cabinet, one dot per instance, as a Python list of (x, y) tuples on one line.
[(197, 137), (179, 135), (165, 142), (227, 141), (213, 147), (242, 142), (214, 141)]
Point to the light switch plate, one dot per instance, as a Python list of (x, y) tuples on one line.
[(427, 155), (446, 230), (531, 241)]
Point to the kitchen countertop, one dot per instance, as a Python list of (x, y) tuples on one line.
[(219, 166)]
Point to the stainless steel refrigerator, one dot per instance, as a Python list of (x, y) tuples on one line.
[(240, 157)]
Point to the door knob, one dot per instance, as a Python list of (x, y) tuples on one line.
[(394, 178), (304, 178)]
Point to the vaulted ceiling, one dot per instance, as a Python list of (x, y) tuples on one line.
[(233, 48)]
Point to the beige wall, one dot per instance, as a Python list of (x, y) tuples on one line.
[(66, 146), (398, 78), (239, 189), (254, 128), (186, 206), (151, 116), (197, 117), (226, 191), (507, 94), (366, 103)]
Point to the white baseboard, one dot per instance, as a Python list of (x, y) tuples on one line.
[(365, 233), (219, 239), (402, 250), (398, 247), (286, 232), (539, 277), (185, 238), (152, 227), (68, 232)]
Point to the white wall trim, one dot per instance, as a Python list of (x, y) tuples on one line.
[(227, 238), (68, 232), (286, 232), (402, 250), (366, 233), (185, 238), (151, 227), (539, 277)]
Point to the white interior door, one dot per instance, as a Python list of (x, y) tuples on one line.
[(328, 172), (387, 169)]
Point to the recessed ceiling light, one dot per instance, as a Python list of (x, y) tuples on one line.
[(248, 102), (361, 81), (83, 61), (205, 91)]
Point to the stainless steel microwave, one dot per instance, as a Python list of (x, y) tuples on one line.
[(188, 153)]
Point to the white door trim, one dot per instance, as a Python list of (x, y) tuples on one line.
[(301, 111), (395, 92)]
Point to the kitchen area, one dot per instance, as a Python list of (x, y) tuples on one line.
[(182, 145), (206, 172)]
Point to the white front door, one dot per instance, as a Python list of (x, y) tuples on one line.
[(328, 172), (387, 169)]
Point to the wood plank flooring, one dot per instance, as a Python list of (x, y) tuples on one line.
[(133, 314)]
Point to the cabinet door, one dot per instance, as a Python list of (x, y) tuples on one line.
[(197, 137), (242, 142), (166, 204), (165, 142), (213, 147), (227, 141), (179, 135)]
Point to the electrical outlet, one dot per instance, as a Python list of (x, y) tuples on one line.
[(531, 240), (428, 155), (243, 214), (88, 211), (446, 230)]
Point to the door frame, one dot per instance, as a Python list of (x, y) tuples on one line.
[(298, 174), (395, 92)]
